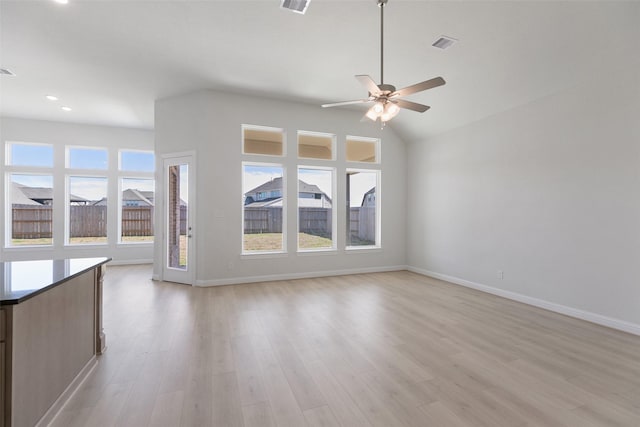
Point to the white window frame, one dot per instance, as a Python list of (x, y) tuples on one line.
[(378, 225), (284, 210), (8, 225), (268, 129), (334, 209), (318, 134), (67, 207), (378, 150)]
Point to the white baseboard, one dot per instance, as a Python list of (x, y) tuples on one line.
[(291, 276), (131, 262), (598, 319), (68, 393)]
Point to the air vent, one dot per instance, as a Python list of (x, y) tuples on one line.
[(444, 42), (297, 6), (6, 72)]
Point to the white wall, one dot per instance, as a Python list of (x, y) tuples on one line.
[(209, 123), (548, 192), (61, 134)]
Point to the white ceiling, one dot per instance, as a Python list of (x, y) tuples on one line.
[(109, 60)]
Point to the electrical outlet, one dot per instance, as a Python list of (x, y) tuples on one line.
[(230, 265), (500, 274)]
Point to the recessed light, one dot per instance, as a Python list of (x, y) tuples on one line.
[(51, 97), (444, 42), (65, 108), (61, 1)]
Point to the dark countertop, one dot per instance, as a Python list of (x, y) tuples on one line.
[(21, 280)]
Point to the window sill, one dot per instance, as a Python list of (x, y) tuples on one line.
[(132, 244), (361, 249), (312, 252), (29, 248), (263, 255)]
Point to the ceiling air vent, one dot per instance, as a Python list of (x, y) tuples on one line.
[(6, 72), (444, 42), (297, 6)]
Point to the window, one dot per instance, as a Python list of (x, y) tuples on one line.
[(316, 146), (263, 208), (137, 201), (87, 210), (363, 216), (137, 196), (262, 140), (361, 149), (23, 154), (137, 161), (30, 209), (315, 208), (87, 158)]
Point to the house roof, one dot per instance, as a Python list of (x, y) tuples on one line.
[(18, 197), (132, 194), (39, 193), (276, 184), (145, 197), (509, 54)]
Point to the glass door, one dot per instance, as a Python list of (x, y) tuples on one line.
[(179, 236)]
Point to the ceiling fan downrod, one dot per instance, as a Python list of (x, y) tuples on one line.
[(381, 4)]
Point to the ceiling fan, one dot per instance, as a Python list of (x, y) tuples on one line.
[(387, 100)]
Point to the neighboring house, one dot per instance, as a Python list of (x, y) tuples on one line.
[(369, 198), (131, 197), (269, 194), (25, 195)]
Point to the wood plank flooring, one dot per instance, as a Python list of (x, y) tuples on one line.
[(386, 349)]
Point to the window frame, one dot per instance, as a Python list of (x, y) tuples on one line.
[(67, 209), (244, 127), (282, 251), (317, 134), (334, 211), (67, 158), (137, 176), (377, 148), (378, 209), (135, 171), (8, 150), (8, 223)]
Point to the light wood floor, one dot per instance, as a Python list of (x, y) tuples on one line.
[(387, 349)]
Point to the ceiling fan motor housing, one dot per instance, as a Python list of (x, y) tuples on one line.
[(387, 89)]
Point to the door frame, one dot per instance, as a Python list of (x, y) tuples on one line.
[(187, 276)]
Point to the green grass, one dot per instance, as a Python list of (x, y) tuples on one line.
[(25, 242), (81, 240), (273, 242), (137, 239)]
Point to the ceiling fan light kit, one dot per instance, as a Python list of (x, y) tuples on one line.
[(387, 100)]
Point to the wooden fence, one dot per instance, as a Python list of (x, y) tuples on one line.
[(262, 220), (316, 221), (88, 221), (362, 223), (32, 222), (137, 221), (36, 222)]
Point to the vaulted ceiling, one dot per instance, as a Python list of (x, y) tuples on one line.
[(110, 60)]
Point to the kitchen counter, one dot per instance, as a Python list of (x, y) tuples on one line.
[(21, 280), (50, 335)]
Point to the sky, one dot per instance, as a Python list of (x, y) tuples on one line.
[(91, 188)]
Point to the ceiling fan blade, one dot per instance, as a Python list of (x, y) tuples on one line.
[(337, 104), (369, 84), (402, 103), (419, 87)]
